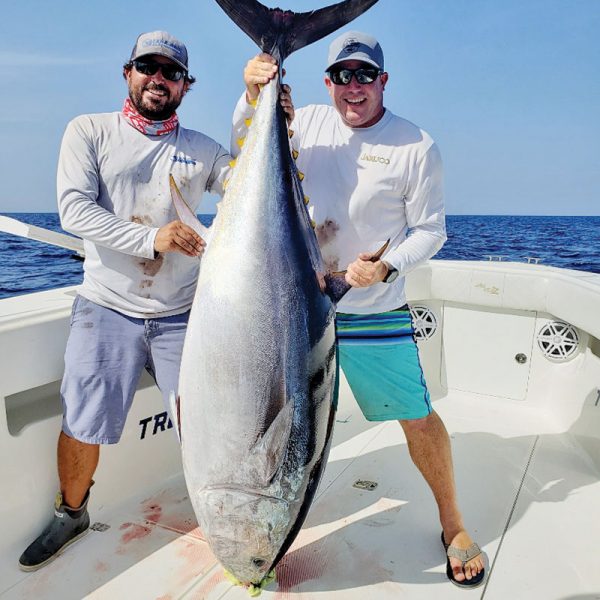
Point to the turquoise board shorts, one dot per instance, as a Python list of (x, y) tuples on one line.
[(379, 356), (105, 356)]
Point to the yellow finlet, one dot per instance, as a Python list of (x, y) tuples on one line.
[(313, 223), (300, 175), (225, 184), (254, 589), (247, 122), (240, 141), (295, 154), (253, 102), (290, 132), (306, 199), (232, 163), (231, 577)]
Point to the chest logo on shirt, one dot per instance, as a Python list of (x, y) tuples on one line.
[(376, 159), (183, 159)]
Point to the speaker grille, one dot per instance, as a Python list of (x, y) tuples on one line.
[(558, 341), (424, 322)]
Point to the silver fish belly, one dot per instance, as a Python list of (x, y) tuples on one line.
[(258, 369)]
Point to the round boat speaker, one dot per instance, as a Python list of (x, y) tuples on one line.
[(558, 341), (424, 322)]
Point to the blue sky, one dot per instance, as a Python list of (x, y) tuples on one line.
[(509, 89)]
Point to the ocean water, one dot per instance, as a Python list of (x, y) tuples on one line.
[(568, 242)]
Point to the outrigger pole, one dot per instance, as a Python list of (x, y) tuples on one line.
[(32, 232)]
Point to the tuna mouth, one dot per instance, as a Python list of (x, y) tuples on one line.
[(237, 488)]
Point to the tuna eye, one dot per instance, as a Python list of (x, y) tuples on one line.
[(258, 562)]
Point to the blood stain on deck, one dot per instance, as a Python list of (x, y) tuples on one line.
[(152, 512), (134, 532), (100, 567)]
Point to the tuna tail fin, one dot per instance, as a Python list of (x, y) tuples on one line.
[(279, 33), (185, 213)]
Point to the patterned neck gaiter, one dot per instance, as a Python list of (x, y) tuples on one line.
[(146, 126)]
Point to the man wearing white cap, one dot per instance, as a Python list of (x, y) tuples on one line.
[(372, 176), (141, 265)]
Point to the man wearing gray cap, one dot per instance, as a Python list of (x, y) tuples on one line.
[(140, 270), (372, 176)]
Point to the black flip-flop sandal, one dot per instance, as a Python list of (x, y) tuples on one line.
[(464, 556)]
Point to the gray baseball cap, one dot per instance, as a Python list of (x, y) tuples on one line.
[(355, 45), (163, 43)]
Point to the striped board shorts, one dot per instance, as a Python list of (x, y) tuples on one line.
[(379, 356)]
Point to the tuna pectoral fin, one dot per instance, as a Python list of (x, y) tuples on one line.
[(281, 32), (175, 414), (268, 452), (380, 252), (185, 213), (336, 286), (335, 283)]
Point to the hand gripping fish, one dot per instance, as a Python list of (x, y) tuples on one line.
[(256, 399)]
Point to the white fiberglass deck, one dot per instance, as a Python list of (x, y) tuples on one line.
[(530, 498), (526, 440)]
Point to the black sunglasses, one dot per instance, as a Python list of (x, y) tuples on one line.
[(148, 67), (364, 75)]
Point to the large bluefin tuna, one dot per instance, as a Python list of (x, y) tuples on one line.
[(256, 393)]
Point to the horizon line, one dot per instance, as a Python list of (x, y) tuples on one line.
[(48, 212)]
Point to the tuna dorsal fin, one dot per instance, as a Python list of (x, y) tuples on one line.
[(280, 32), (269, 451), (185, 213)]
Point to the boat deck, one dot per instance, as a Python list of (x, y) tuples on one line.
[(529, 494)]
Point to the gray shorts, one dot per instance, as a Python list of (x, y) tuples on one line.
[(106, 353)]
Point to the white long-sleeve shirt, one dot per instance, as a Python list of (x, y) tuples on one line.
[(113, 191), (365, 186)]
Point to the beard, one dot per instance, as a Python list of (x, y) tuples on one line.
[(158, 109)]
